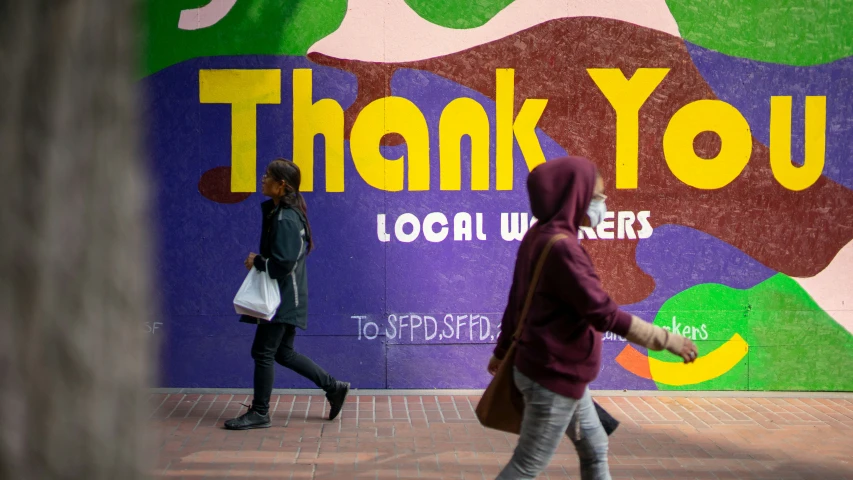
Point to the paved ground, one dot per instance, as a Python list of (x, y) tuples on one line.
[(389, 437)]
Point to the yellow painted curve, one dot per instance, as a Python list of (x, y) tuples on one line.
[(705, 368)]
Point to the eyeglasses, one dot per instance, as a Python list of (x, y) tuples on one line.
[(265, 176)]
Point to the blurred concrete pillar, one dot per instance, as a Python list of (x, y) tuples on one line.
[(74, 239)]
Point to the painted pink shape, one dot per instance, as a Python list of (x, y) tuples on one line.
[(390, 31), (206, 16), (832, 289)]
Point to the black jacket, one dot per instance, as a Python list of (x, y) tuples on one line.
[(284, 245)]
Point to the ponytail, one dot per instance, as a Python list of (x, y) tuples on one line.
[(303, 207), (287, 171)]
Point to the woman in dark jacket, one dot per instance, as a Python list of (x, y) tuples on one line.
[(559, 352), (285, 242)]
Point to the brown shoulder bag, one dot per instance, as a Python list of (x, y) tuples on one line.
[(502, 406)]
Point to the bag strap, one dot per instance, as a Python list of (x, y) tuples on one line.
[(537, 272)]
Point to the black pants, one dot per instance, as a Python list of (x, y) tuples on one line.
[(274, 343)]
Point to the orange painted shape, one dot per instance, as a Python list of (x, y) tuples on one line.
[(635, 362)]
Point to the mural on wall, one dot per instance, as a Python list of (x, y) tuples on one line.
[(723, 129)]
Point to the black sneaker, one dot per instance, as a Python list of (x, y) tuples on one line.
[(250, 419), (336, 399)]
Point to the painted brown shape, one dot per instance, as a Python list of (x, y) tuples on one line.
[(215, 185), (797, 233)]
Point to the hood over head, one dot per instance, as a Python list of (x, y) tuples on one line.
[(560, 191)]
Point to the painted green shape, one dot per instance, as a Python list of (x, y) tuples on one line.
[(793, 343), (710, 314), (252, 27), (793, 32), (458, 13)]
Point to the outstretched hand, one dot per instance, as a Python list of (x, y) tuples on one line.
[(689, 352)]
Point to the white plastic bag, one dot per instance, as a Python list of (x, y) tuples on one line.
[(259, 295)]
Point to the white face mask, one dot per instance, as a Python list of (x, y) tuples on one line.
[(596, 211)]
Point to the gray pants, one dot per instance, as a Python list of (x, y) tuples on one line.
[(547, 417)]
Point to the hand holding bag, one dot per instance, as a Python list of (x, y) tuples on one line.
[(259, 296), (502, 404)]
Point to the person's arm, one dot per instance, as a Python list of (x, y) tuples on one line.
[(509, 321), (655, 338), (507, 330), (286, 247), (581, 288)]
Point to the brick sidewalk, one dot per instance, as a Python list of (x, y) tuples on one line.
[(382, 437)]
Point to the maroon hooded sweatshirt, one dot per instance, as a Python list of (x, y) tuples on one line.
[(560, 347)]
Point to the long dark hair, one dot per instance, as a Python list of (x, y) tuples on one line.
[(282, 169)]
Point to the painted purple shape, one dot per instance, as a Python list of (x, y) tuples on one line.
[(438, 366), (748, 85), (679, 257), (201, 243), (214, 352), (464, 366)]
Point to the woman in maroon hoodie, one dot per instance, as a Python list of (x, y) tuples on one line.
[(559, 352)]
